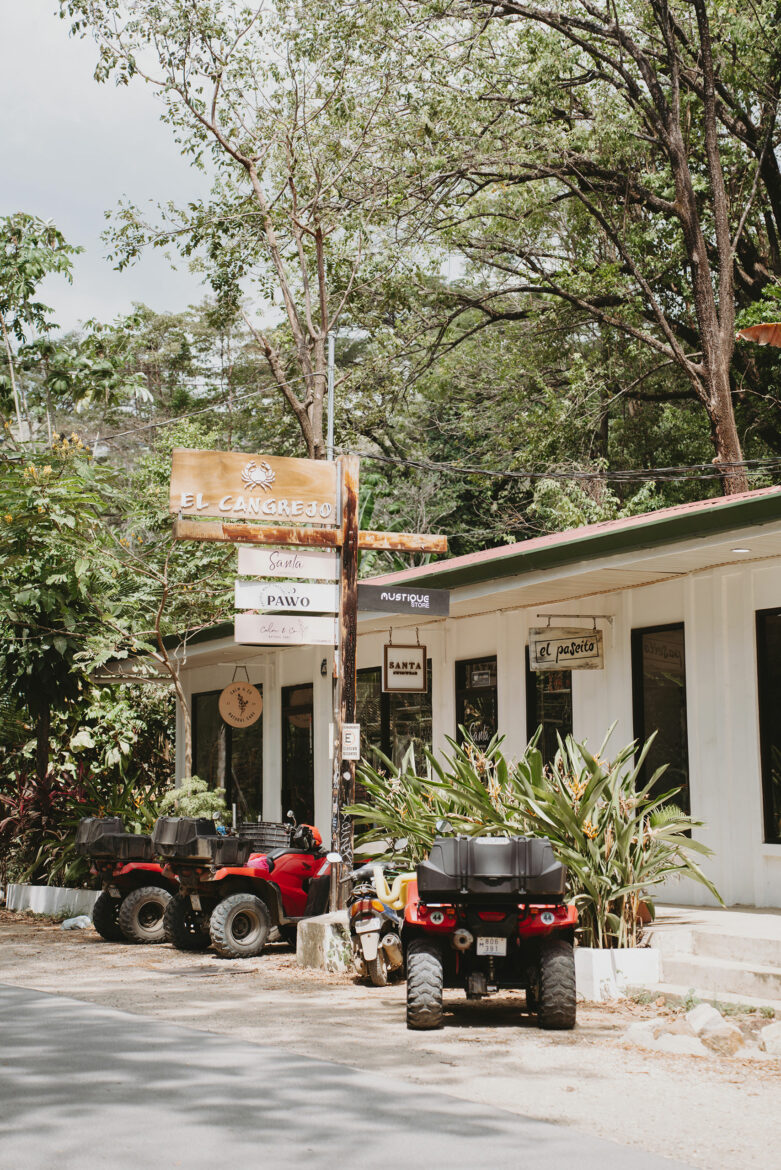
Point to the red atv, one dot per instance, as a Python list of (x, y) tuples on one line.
[(487, 914), (135, 891), (230, 894)]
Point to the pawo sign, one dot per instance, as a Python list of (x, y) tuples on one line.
[(263, 488), (287, 596), (404, 669), (560, 648)]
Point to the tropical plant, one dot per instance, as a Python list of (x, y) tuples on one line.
[(193, 798), (619, 837)]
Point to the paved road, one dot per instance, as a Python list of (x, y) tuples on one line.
[(87, 1088)]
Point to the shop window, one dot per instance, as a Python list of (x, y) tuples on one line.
[(769, 688), (659, 696), (549, 706), (476, 700), (228, 757), (394, 723), (298, 760)]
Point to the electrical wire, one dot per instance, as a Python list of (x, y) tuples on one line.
[(692, 471), (192, 413)]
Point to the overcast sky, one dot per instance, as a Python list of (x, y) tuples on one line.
[(71, 149)]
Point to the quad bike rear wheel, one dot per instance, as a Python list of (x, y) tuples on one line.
[(424, 985), (239, 926), (141, 914), (105, 917), (556, 1004), (183, 927)]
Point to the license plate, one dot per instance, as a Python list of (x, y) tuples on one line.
[(195, 902), (488, 944), (367, 924)]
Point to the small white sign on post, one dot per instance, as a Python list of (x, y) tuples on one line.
[(566, 649), (287, 597), (404, 669), (351, 741), (253, 629), (302, 563)]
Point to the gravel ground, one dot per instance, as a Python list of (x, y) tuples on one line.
[(705, 1111)]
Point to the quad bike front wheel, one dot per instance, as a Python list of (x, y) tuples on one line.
[(556, 1003), (239, 926), (183, 927), (141, 914), (424, 985), (105, 917)]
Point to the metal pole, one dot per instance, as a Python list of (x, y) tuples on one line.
[(330, 408)]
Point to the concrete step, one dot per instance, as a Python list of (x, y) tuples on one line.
[(677, 991), (746, 948), (707, 973)]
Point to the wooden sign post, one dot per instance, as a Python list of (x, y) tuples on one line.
[(301, 505)]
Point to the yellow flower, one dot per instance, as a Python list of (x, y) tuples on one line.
[(47, 470), (8, 517), (41, 508), (590, 830)]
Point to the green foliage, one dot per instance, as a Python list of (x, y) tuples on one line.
[(194, 798), (617, 840)]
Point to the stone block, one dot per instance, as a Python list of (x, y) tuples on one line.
[(701, 1016), (679, 1045), (722, 1037), (770, 1039), (324, 943), (603, 975)]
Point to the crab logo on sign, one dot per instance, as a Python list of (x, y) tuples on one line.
[(255, 475)]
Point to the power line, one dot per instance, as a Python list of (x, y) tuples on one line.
[(683, 471)]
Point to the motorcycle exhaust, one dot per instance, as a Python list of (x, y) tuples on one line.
[(463, 939), (391, 945)]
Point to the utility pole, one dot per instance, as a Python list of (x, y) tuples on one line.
[(330, 407)]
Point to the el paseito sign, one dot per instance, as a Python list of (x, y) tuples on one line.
[(264, 488), (565, 649)]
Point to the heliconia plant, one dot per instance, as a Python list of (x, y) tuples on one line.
[(619, 837)]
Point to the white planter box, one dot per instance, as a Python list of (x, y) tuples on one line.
[(50, 899), (605, 974)]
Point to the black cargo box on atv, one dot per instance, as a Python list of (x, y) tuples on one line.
[(106, 837), (95, 835), (489, 869), (195, 839)]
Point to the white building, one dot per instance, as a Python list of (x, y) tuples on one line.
[(689, 602)]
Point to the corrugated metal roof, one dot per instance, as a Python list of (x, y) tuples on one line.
[(647, 530)]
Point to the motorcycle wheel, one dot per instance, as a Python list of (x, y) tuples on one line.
[(141, 914), (378, 970), (183, 927), (239, 926), (105, 917)]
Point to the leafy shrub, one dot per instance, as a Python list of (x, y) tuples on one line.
[(194, 798), (617, 840)]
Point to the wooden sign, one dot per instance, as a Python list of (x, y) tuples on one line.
[(240, 704), (287, 597), (404, 669), (301, 563), (402, 599), (268, 489), (351, 741), (565, 649), (254, 629)]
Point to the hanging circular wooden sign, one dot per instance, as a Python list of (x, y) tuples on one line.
[(241, 704)]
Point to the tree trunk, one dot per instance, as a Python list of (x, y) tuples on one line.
[(43, 731)]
